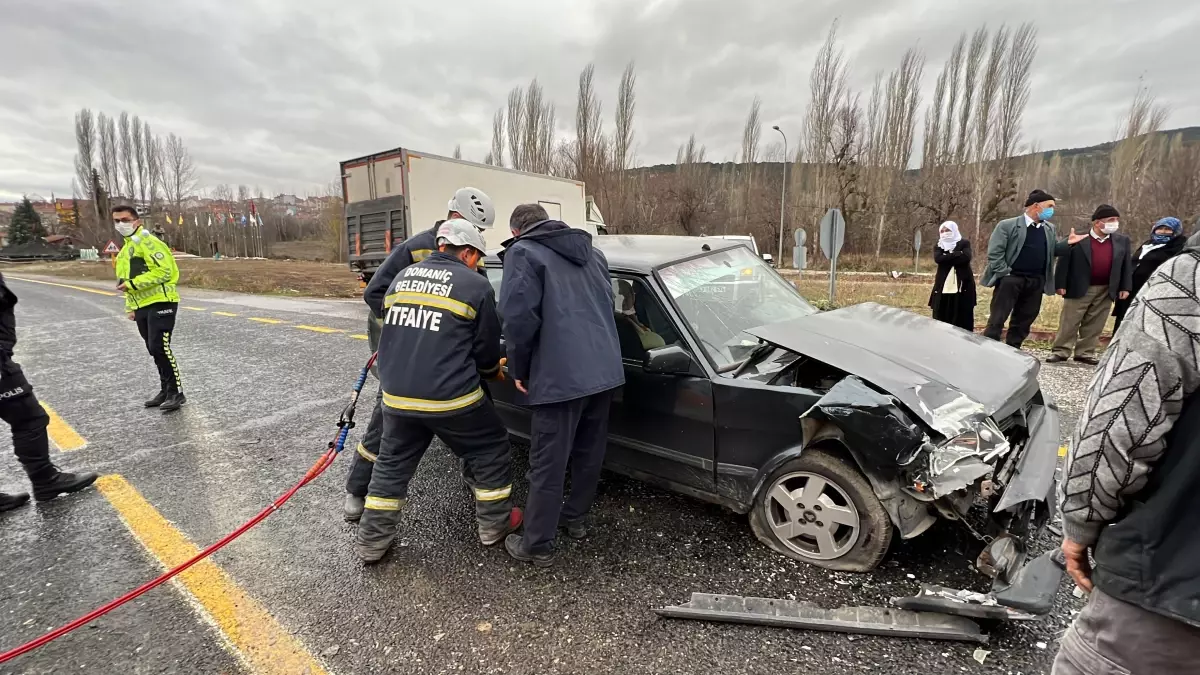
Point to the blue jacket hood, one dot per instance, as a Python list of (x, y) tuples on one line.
[(573, 244)]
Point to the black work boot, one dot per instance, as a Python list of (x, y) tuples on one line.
[(516, 548), (492, 532), (10, 502), (157, 400), (352, 507), (576, 529), (62, 483), (174, 401), (377, 530)]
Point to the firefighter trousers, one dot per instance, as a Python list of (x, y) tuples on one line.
[(156, 323), (477, 437), (363, 460)]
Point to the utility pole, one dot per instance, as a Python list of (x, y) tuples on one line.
[(782, 197)]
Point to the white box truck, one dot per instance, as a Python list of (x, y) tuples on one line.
[(393, 195)]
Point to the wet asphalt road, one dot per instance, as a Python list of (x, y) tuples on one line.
[(262, 402)]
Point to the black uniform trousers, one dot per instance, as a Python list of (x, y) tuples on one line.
[(1020, 297), (574, 432), (28, 421), (477, 437), (156, 323)]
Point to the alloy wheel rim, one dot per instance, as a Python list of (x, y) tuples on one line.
[(812, 516)]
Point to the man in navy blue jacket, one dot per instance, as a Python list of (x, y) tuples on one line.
[(563, 352)]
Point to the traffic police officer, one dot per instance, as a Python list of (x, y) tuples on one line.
[(441, 334), (469, 204), (28, 421), (147, 272)]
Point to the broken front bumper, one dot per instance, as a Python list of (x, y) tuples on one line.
[(1028, 498)]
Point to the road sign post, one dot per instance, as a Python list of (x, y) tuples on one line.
[(833, 235), (799, 252)]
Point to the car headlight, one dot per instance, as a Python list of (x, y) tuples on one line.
[(986, 442)]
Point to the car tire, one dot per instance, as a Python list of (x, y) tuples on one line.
[(856, 542)]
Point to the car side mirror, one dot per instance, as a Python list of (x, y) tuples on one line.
[(770, 259), (669, 360)]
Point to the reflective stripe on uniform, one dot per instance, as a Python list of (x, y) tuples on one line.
[(421, 254), (493, 495), (426, 405), (366, 454), (430, 300), (384, 504)]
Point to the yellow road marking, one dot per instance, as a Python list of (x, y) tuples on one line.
[(196, 309), (224, 314), (360, 337), (321, 329), (78, 288), (66, 438), (261, 320), (262, 642)]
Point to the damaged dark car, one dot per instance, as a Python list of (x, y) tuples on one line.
[(835, 431)]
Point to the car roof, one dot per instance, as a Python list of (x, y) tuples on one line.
[(644, 252)]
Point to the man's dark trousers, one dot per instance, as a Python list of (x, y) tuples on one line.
[(1020, 297), (156, 323), (574, 432), (31, 444)]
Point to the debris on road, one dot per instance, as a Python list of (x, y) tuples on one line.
[(933, 598), (804, 615), (980, 655)]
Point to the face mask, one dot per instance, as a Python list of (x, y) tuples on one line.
[(126, 229), (1162, 238), (1109, 228), (1046, 213)]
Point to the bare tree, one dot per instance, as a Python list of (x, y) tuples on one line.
[(1136, 149), (179, 173), (827, 90), (85, 156), (985, 118), (139, 159), (589, 133), (751, 138), (108, 155), (153, 150), (457, 152), (892, 123), (691, 194), (497, 151), (626, 106), (125, 156), (537, 132), (516, 126), (1014, 92)]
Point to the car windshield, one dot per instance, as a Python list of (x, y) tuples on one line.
[(724, 294)]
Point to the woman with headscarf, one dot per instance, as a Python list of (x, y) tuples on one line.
[(1165, 242), (953, 296)]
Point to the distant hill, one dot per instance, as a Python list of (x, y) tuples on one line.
[(1097, 152)]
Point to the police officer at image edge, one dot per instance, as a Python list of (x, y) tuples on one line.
[(468, 203), (28, 421), (441, 337), (147, 273)]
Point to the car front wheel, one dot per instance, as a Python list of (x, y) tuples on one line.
[(820, 509)]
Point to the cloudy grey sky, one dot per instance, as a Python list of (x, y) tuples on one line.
[(276, 92)]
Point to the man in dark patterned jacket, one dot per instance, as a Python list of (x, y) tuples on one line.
[(1132, 489)]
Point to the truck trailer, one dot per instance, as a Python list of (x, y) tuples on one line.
[(392, 195)]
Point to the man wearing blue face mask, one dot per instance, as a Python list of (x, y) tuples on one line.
[(1020, 262)]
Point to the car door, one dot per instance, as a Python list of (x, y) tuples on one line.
[(661, 425), (510, 403)]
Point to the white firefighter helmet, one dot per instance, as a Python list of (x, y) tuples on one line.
[(474, 206)]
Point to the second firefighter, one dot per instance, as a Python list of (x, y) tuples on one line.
[(440, 337)]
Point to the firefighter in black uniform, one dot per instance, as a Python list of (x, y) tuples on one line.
[(467, 203), (20, 408), (441, 335)]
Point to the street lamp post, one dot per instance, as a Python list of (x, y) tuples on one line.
[(782, 196)]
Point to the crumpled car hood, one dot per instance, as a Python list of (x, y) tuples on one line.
[(948, 377)]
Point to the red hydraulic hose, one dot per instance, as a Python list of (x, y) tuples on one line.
[(344, 423)]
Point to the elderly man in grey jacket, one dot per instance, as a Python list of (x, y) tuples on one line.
[(1020, 268)]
